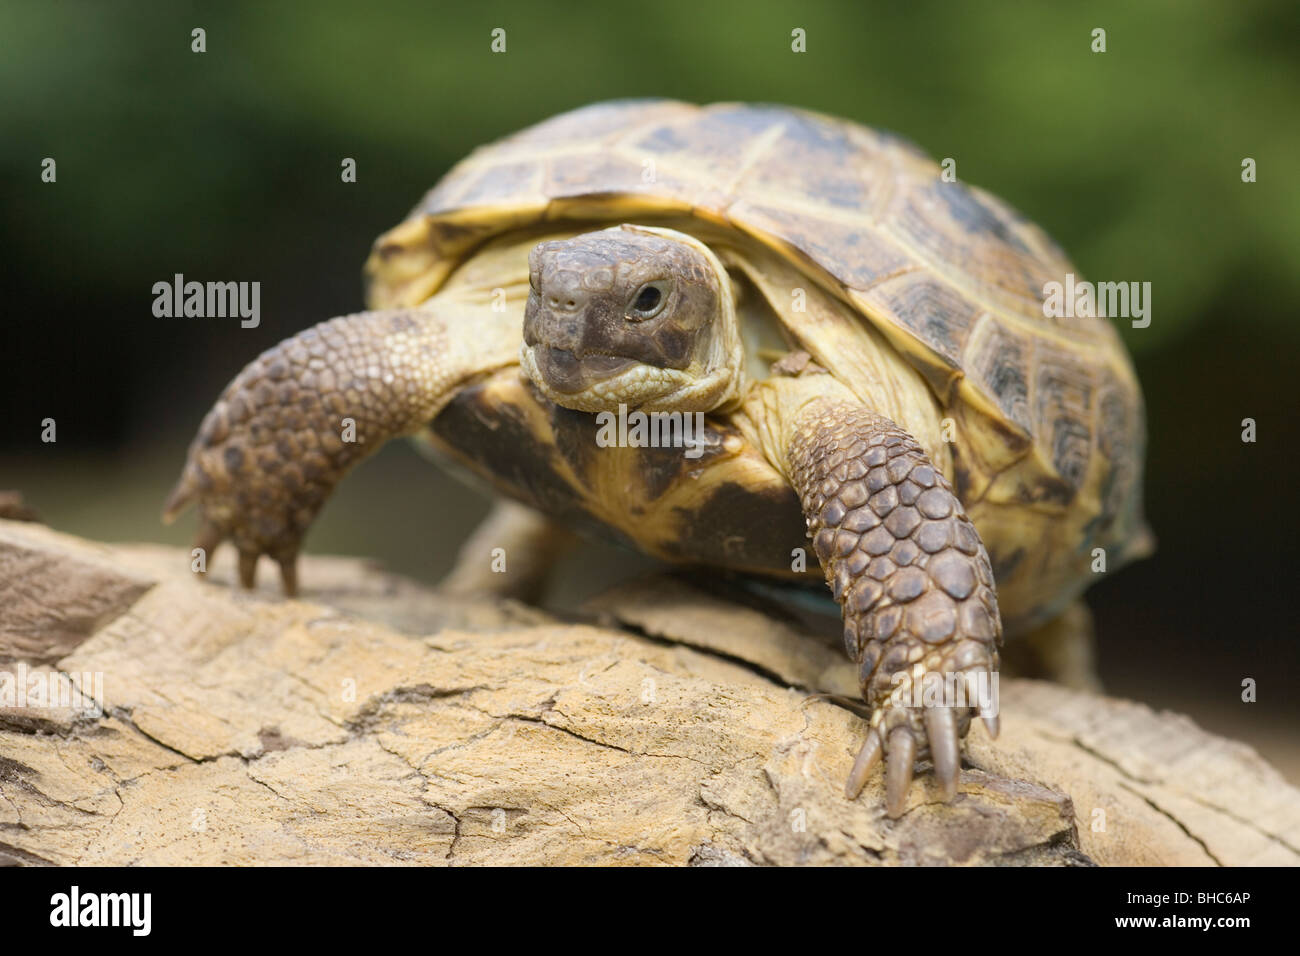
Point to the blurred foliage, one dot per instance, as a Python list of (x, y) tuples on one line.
[(1130, 158)]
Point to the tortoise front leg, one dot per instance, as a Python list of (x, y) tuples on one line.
[(298, 417), (913, 580)]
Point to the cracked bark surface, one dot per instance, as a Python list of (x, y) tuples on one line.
[(375, 721)]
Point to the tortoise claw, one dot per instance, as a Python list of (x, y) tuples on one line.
[(898, 770), (207, 539), (868, 757), (289, 574), (941, 728), (248, 569), (992, 725)]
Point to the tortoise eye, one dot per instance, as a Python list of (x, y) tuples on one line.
[(648, 301)]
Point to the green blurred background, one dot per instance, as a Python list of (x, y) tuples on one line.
[(225, 165)]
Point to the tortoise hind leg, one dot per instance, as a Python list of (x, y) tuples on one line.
[(510, 554), (1062, 650)]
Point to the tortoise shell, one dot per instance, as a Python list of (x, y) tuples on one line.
[(1047, 411)]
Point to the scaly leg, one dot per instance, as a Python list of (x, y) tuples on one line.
[(912, 577), (298, 417)]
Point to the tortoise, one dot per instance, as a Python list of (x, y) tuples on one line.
[(835, 342)]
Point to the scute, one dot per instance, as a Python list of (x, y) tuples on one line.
[(998, 358), (856, 255), (953, 277)]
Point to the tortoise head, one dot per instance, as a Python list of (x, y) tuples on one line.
[(631, 315)]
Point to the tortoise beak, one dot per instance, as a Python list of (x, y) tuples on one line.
[(569, 374)]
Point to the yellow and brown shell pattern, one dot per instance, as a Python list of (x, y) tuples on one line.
[(1046, 412)]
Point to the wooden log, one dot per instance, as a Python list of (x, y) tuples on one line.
[(378, 721)]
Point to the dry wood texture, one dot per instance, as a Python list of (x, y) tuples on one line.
[(377, 721)]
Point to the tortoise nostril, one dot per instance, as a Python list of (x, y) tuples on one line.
[(565, 301), (563, 291)]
